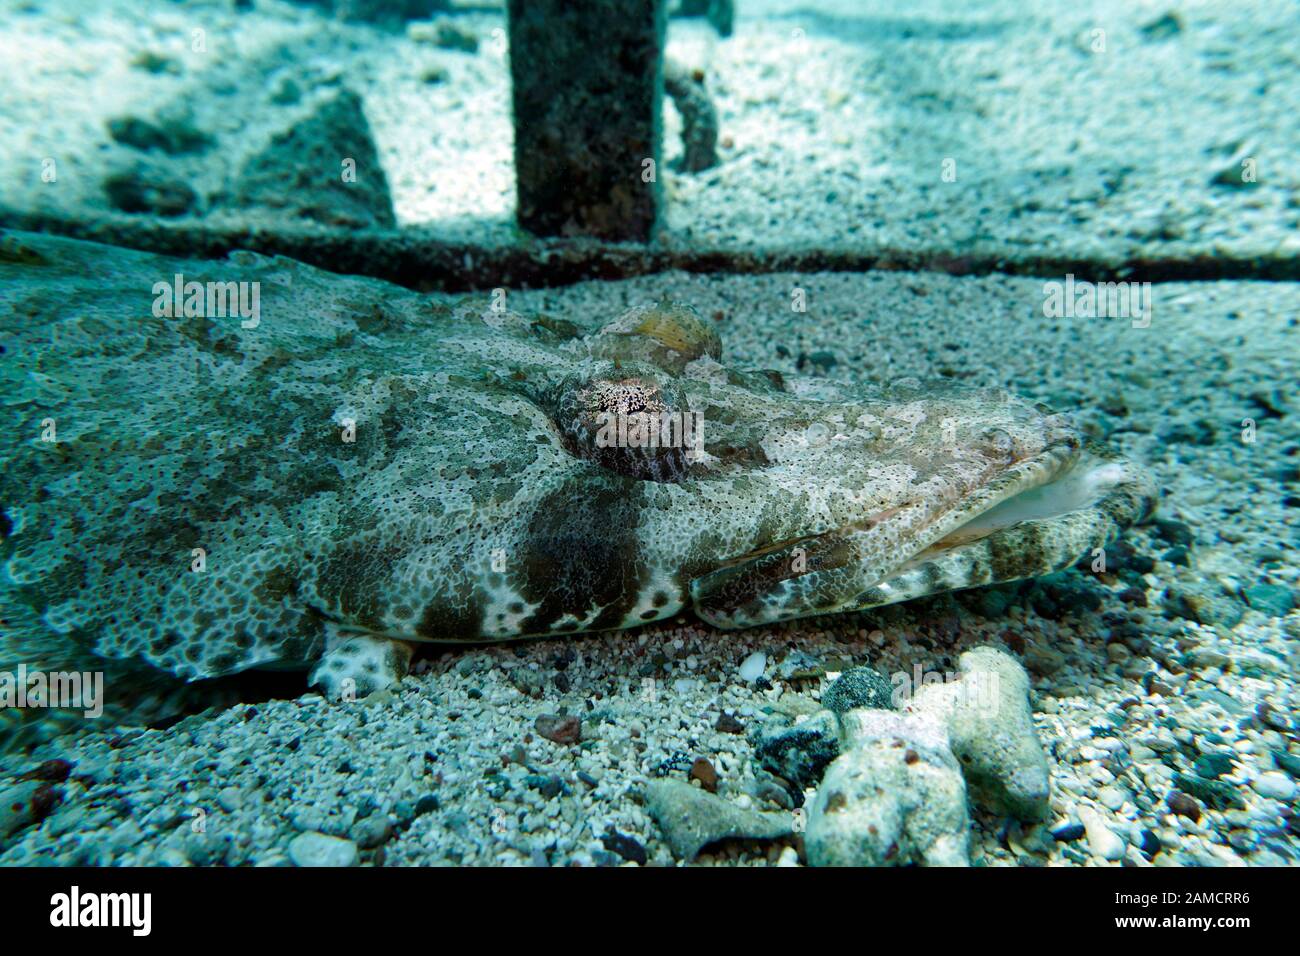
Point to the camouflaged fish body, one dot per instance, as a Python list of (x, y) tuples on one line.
[(368, 462)]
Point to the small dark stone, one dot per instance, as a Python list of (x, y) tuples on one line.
[(798, 753), (1163, 27), (1182, 604), (1243, 841), (1278, 720), (54, 771), (1177, 555), (859, 687), (773, 792), (1221, 796), (1212, 766), (427, 804), (549, 787), (174, 137), (703, 771), (561, 730), (1274, 600), (1113, 404), (144, 189), (1292, 821), (1175, 532), (155, 63), (629, 848), (1183, 805), (1288, 762), (44, 800), (1121, 557), (1134, 596), (1150, 844), (1068, 832), (372, 832), (823, 361), (991, 602), (451, 37), (728, 724)]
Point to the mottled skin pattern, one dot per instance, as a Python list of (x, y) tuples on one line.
[(367, 461)]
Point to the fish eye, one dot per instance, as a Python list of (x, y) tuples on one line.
[(997, 444), (817, 433), (627, 420)]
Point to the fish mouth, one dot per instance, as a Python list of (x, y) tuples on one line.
[(1082, 484), (1036, 516)]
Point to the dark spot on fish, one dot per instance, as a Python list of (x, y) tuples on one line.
[(349, 577), (277, 584), (448, 621), (582, 550), (166, 642), (224, 662), (1011, 554)]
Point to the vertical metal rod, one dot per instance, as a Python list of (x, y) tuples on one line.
[(588, 92)]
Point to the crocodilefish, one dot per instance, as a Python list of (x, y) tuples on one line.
[(188, 495)]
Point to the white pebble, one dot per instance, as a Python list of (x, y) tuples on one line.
[(1102, 840), (1276, 785), (753, 666), (1112, 798), (317, 849)]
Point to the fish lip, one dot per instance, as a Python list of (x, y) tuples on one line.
[(735, 582), (1025, 474), (1046, 467), (1039, 470)]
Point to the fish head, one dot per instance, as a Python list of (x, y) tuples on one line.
[(792, 497)]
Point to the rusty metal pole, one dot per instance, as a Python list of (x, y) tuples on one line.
[(588, 94)]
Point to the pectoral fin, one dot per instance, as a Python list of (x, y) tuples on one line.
[(807, 576)]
